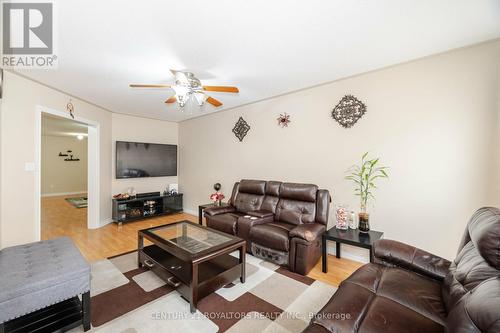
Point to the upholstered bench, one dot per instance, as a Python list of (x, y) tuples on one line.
[(38, 275)]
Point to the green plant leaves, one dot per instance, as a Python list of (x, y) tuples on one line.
[(364, 176)]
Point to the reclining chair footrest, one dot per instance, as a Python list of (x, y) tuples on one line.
[(277, 257)]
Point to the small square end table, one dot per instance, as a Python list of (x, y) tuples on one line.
[(352, 237)]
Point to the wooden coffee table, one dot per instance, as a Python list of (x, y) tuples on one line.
[(193, 259)]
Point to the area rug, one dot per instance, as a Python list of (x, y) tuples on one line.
[(80, 202), (129, 299)]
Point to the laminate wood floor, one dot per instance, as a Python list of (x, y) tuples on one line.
[(59, 218)]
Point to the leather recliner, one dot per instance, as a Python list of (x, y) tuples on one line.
[(406, 289), (281, 222)]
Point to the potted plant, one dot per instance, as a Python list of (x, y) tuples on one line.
[(364, 177)]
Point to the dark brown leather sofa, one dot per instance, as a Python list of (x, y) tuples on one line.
[(281, 222), (407, 289)]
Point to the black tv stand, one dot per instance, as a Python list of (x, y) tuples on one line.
[(138, 208)]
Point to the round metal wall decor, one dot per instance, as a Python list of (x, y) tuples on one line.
[(348, 111), (241, 128)]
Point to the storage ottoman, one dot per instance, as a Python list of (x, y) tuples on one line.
[(37, 275)]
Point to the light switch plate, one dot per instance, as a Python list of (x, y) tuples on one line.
[(29, 166)]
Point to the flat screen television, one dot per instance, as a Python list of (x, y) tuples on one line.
[(138, 159)]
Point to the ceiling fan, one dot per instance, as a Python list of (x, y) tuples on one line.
[(187, 85)]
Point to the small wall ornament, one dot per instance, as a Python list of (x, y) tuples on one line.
[(70, 108), (241, 129), (283, 120), (348, 111)]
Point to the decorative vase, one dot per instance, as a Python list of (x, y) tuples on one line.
[(353, 221), (364, 222), (217, 203), (341, 215)]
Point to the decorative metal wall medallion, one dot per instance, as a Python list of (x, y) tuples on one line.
[(70, 108), (241, 128), (283, 120), (348, 111)]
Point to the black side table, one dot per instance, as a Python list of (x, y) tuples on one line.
[(202, 207), (352, 237)]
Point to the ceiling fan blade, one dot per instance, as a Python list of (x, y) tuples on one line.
[(149, 85), (221, 89), (172, 99), (173, 71), (213, 101)]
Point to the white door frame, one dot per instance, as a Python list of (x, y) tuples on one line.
[(93, 140)]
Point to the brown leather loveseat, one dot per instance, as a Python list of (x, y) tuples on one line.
[(281, 222), (406, 289)]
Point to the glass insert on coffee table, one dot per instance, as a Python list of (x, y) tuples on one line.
[(193, 259)]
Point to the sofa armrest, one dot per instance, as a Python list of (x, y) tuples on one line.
[(216, 210), (396, 254), (308, 231), (261, 213)]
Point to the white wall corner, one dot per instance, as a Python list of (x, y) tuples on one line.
[(104, 222)]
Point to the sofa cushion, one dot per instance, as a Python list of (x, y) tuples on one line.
[(479, 311), (309, 232), (270, 203), (272, 196), (296, 212), (469, 269), (246, 202), (251, 186), (246, 224), (484, 231), (419, 293), (385, 299), (272, 235), (36, 275), (385, 315), (215, 210), (273, 188), (299, 192), (224, 222)]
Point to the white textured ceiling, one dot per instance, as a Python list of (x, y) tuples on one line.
[(266, 48)]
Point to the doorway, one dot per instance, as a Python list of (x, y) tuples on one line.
[(66, 174), (63, 176)]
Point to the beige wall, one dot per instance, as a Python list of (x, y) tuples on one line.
[(496, 182), (0, 174), (432, 121), (128, 128), (17, 138), (57, 175)]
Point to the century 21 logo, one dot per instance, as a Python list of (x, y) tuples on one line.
[(27, 28)]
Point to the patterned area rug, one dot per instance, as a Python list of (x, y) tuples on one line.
[(128, 299), (80, 202)]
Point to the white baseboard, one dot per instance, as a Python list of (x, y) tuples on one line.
[(350, 252), (105, 222), (190, 211), (63, 193)]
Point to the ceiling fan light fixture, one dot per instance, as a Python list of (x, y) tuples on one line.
[(200, 98), (182, 99), (188, 85)]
